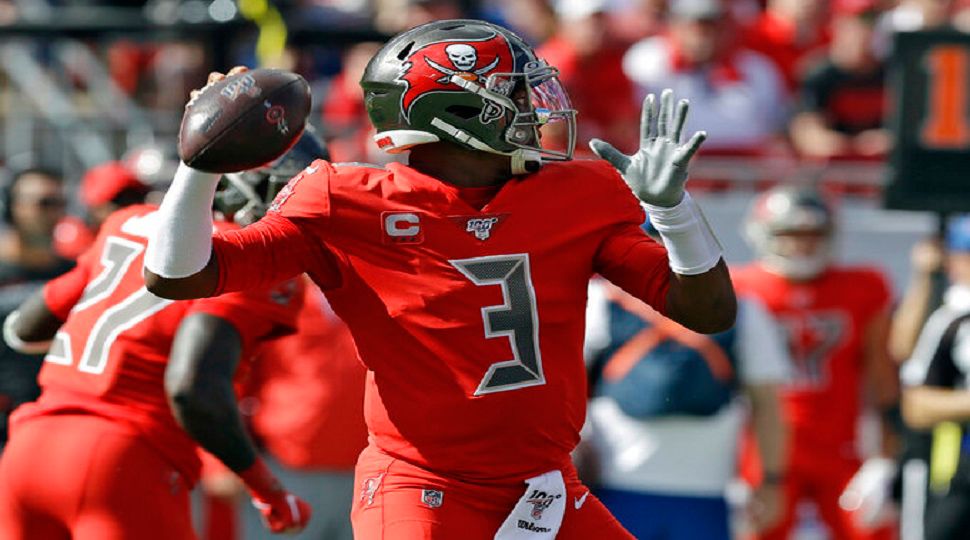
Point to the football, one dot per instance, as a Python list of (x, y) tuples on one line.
[(244, 121)]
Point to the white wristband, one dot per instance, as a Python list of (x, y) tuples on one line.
[(691, 245), (14, 342), (180, 244)]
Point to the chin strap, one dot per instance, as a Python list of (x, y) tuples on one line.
[(524, 161)]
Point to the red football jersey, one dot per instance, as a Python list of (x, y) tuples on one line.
[(109, 356), (470, 321), (825, 320)]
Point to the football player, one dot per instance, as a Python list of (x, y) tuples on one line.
[(100, 456), (463, 278), (837, 320)]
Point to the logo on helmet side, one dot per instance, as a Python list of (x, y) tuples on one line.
[(430, 68)]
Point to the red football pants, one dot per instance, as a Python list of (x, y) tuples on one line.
[(82, 477), (823, 484), (390, 504)]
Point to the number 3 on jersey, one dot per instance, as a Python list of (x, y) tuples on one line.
[(116, 260), (517, 319)]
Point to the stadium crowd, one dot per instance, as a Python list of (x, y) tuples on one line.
[(818, 347)]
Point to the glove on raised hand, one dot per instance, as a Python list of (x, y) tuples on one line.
[(657, 172)]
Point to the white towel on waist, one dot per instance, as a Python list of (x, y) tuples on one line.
[(539, 512)]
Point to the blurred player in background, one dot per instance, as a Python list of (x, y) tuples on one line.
[(463, 278), (100, 456), (837, 321), (104, 189), (312, 448)]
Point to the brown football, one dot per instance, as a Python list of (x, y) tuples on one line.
[(244, 121)]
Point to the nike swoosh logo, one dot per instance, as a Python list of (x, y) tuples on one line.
[(580, 501)]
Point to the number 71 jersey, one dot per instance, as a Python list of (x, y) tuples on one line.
[(470, 320), (109, 356)]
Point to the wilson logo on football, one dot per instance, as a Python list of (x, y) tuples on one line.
[(430, 68), (402, 228)]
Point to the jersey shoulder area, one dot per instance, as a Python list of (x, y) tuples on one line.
[(309, 193), (586, 179), (115, 223), (869, 282)]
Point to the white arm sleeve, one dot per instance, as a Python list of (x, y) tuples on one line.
[(691, 245), (180, 244)]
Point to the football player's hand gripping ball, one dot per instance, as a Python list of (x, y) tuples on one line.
[(657, 172)]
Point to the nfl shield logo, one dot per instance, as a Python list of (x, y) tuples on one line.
[(432, 497)]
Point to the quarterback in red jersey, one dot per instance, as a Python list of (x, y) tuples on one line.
[(837, 320), (463, 275), (107, 385)]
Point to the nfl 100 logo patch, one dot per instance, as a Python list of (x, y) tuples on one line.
[(432, 497), (540, 501), (481, 227)]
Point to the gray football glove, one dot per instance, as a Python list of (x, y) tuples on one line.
[(658, 171)]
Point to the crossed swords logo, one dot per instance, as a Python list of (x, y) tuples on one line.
[(463, 57)]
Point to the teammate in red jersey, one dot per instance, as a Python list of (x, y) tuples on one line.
[(463, 278), (100, 456), (837, 321)]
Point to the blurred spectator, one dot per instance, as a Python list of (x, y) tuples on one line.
[(393, 16), (937, 394), (910, 15), (590, 63), (312, 447), (534, 20), (789, 32), (735, 94), (31, 204), (638, 19), (837, 320), (843, 100), (665, 419), (961, 15), (347, 131)]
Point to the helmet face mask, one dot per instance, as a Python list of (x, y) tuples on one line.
[(244, 197), (467, 82), (792, 229)]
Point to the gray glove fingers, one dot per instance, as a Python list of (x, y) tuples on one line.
[(680, 118), (646, 120), (605, 150), (684, 153), (666, 113)]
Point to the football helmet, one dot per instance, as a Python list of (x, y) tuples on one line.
[(469, 82), (787, 210), (243, 197)]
